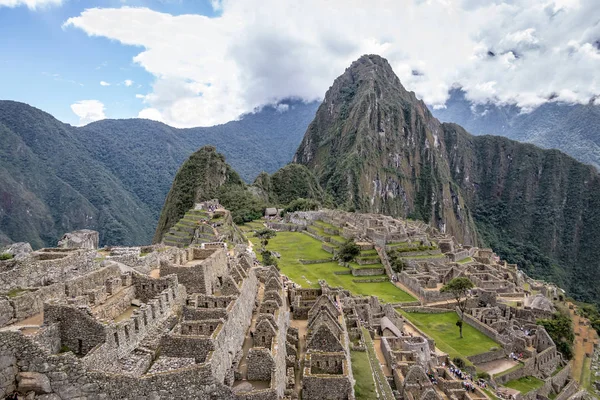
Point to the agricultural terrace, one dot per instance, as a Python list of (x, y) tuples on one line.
[(296, 246), (442, 328)]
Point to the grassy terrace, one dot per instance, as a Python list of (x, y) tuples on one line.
[(423, 256), (364, 389), (465, 260), (442, 328), (525, 384), (294, 246), (384, 389)]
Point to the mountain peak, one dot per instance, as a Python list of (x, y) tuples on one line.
[(371, 145)]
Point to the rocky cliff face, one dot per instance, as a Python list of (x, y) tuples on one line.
[(376, 148), (538, 208)]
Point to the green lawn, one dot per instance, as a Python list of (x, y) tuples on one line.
[(525, 384), (294, 246), (364, 389), (442, 328), (465, 260), (384, 390)]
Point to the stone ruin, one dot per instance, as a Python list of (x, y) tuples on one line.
[(210, 322)]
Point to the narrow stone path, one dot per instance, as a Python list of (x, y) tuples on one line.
[(249, 341)]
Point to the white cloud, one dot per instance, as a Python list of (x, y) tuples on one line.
[(103, 83), (88, 111), (257, 52), (128, 82), (140, 96), (31, 4)]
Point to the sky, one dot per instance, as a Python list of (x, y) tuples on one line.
[(205, 62)]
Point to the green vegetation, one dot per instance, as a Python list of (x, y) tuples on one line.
[(465, 260), (5, 256), (292, 182), (295, 246), (590, 311), (348, 251), (442, 328), (364, 389), (560, 329), (384, 390), (396, 263), (301, 205), (15, 292), (460, 288), (525, 384), (115, 174)]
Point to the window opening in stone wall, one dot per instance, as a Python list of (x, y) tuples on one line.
[(117, 338), (79, 346), (136, 325)]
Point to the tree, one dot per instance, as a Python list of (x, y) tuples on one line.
[(460, 288), (264, 235), (396, 262), (348, 251), (560, 329)]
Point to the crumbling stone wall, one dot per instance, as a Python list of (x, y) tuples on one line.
[(79, 331)]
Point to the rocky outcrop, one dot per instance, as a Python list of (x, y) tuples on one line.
[(18, 250), (33, 382), (82, 239)]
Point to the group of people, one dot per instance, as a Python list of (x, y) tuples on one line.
[(460, 374), (469, 386), (432, 378), (515, 356)]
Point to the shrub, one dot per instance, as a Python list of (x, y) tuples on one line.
[(459, 362), (348, 251), (483, 375), (5, 256)]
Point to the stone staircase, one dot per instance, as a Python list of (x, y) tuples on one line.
[(182, 233)]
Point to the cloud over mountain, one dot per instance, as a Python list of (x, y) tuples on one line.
[(211, 70)]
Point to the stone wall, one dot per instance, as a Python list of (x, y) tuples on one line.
[(33, 272), (367, 271), (260, 364)]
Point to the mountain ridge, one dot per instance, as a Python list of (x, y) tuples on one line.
[(379, 150), (136, 159)]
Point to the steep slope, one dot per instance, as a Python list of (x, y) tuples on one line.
[(572, 128), (376, 148), (51, 184), (292, 182), (538, 208), (113, 175), (200, 178)]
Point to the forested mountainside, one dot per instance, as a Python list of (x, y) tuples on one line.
[(205, 175), (571, 128), (374, 147), (113, 175)]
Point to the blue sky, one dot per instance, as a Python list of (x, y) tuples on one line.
[(51, 67), (190, 65)]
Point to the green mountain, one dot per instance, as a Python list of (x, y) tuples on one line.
[(205, 175), (572, 128), (376, 148), (113, 175), (201, 177)]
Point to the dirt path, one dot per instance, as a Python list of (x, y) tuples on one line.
[(155, 273), (387, 371)]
